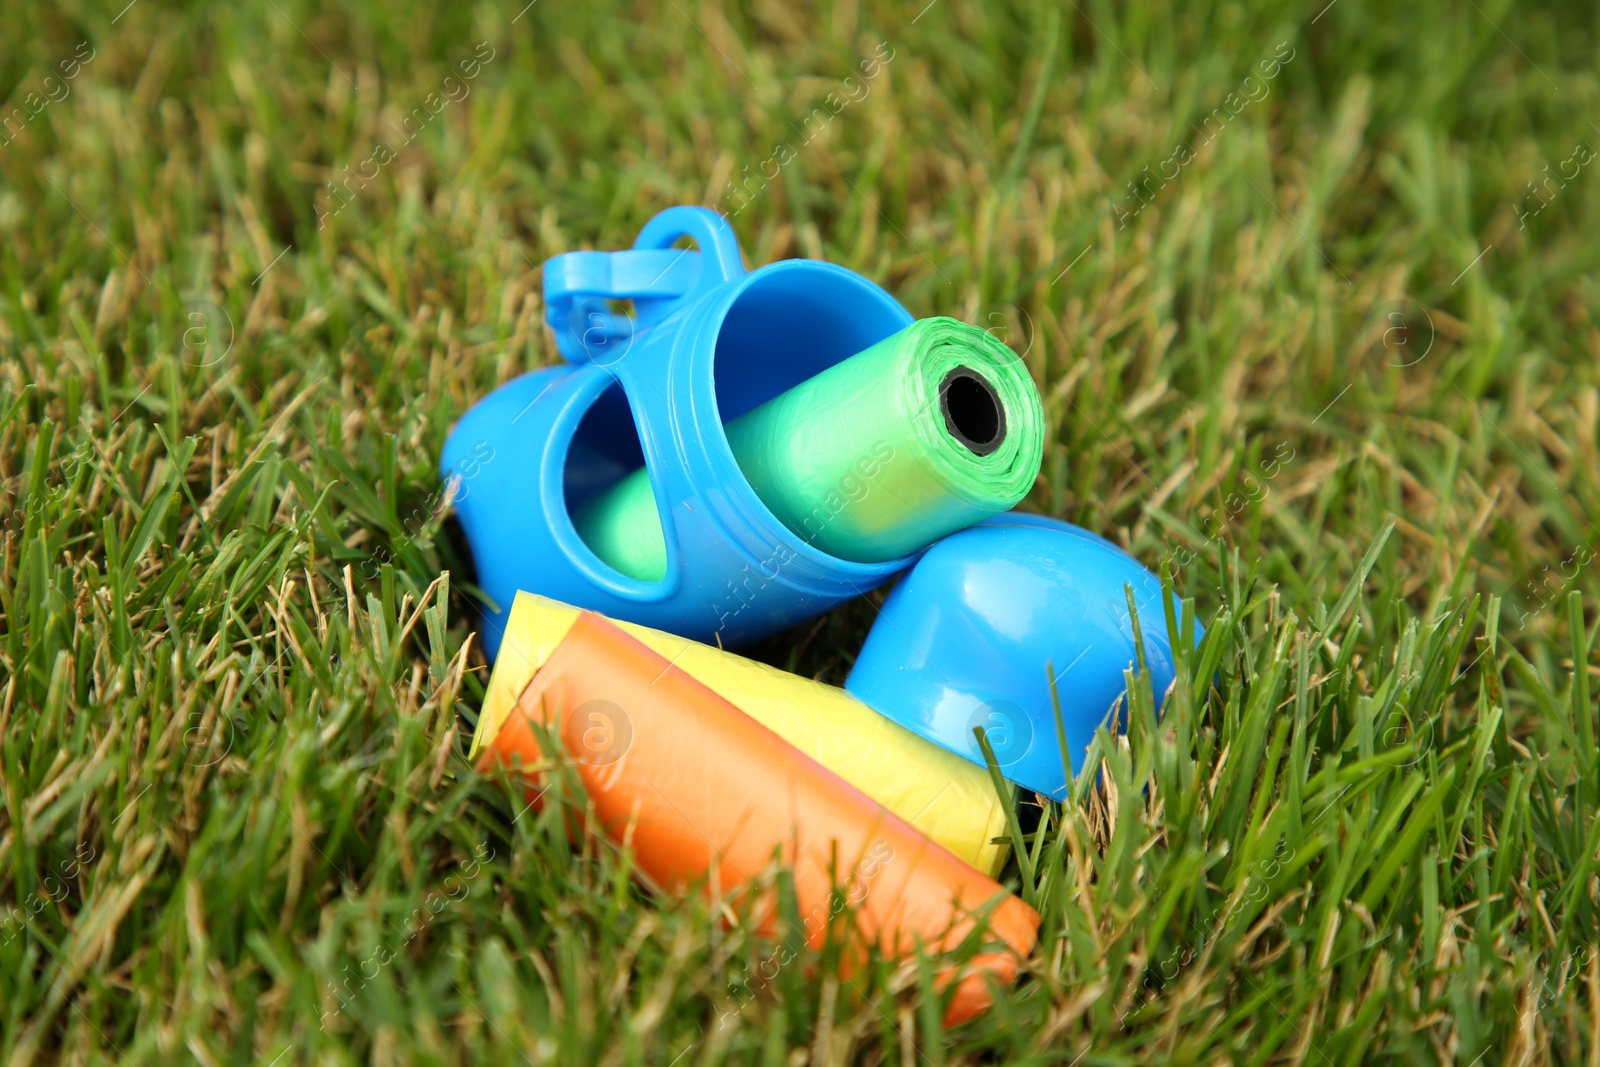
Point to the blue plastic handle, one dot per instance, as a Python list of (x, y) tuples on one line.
[(579, 285)]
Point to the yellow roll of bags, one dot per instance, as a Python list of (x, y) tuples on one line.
[(938, 792)]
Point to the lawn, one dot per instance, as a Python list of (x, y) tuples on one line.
[(1307, 294)]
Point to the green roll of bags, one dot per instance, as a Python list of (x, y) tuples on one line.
[(929, 431)]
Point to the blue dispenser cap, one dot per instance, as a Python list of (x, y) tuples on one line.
[(970, 635)]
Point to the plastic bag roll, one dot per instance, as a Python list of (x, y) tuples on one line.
[(942, 795), (704, 794), (930, 430)]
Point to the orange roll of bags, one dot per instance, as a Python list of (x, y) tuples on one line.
[(704, 792)]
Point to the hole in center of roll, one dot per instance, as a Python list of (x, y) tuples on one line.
[(972, 410)]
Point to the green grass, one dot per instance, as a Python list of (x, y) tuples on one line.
[(235, 688)]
